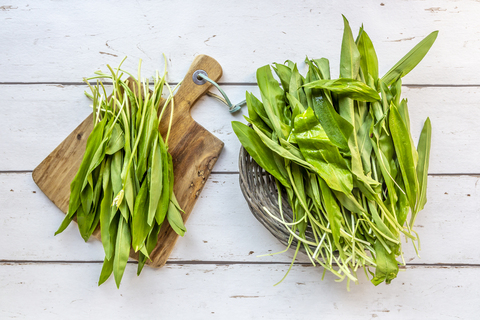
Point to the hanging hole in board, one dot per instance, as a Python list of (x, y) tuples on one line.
[(197, 79)]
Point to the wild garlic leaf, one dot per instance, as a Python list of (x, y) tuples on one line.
[(155, 182), (387, 267), (424, 144), (410, 60), (403, 149), (175, 219), (122, 250), (321, 153), (117, 140), (348, 88), (139, 224), (258, 150), (368, 56), (349, 55)]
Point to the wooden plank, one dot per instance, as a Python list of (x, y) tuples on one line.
[(234, 292), (221, 227), (71, 40), (36, 118)]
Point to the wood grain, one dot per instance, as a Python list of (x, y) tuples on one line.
[(245, 35), (37, 120), (222, 230), (235, 292), (194, 151), (55, 173)]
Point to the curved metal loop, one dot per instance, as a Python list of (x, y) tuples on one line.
[(200, 77)]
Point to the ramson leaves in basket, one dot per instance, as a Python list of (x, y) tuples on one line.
[(342, 153)]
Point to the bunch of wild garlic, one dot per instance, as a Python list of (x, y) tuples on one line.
[(342, 151), (125, 180)]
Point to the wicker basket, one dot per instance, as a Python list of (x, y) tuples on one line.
[(260, 190)]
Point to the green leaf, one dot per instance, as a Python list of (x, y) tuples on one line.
[(81, 221), (273, 101), (139, 224), (164, 200), (319, 151), (107, 270), (94, 215), (171, 178), (410, 60), (117, 184), (336, 127), (105, 212), (129, 188), (401, 206), (349, 68), (348, 88), (78, 183), (364, 143), (116, 171), (387, 266), (368, 56), (284, 73), (396, 90), (258, 150), (150, 244), (403, 111), (288, 152), (117, 140), (149, 135), (379, 223), (323, 66), (297, 106), (296, 86), (156, 181), (122, 251), (403, 149), (423, 148), (256, 109), (292, 149), (296, 174), (334, 215), (386, 172), (357, 166), (349, 202), (349, 56), (257, 115), (175, 219)]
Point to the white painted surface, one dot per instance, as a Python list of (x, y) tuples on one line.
[(70, 39), (214, 271), (36, 118), (221, 227), (204, 291)]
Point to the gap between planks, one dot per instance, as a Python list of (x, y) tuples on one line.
[(30, 171), (226, 263), (237, 172), (408, 85)]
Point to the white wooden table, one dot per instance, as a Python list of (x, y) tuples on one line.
[(46, 47)]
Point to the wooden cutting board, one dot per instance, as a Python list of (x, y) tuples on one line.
[(194, 151)]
